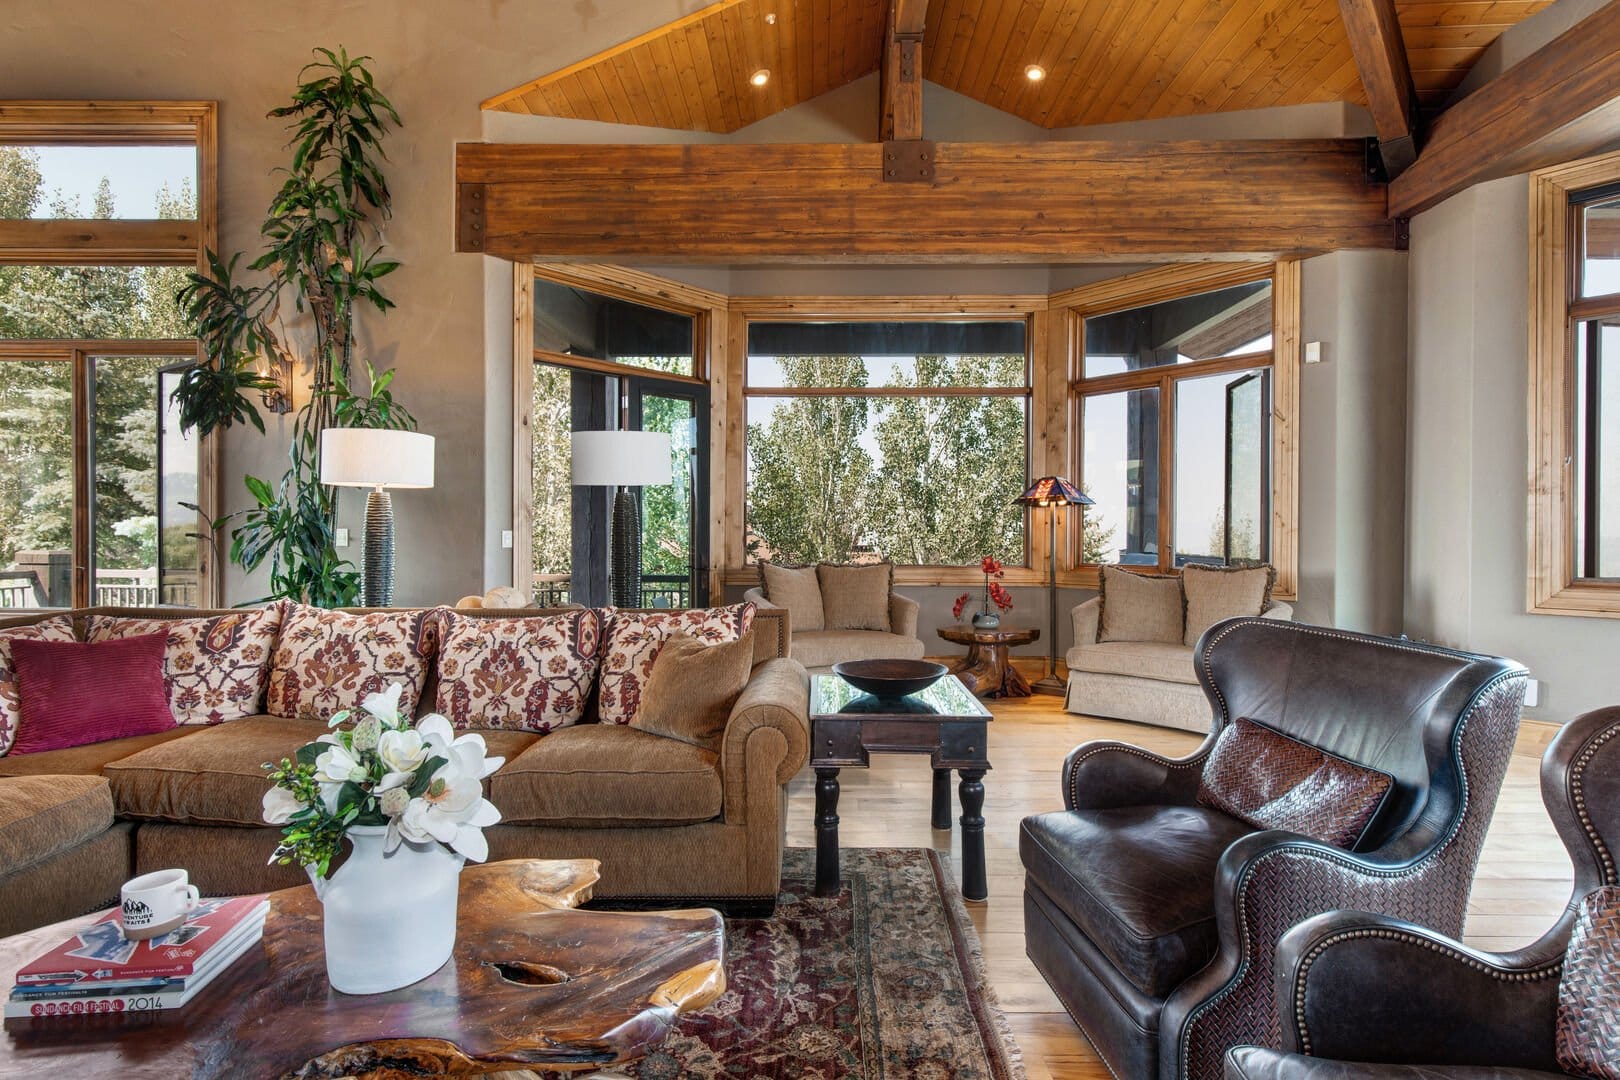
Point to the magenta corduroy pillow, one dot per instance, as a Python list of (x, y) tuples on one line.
[(74, 693)]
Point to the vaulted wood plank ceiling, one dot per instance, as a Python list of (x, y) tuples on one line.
[(1105, 60)]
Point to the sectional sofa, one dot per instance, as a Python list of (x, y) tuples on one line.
[(671, 822)]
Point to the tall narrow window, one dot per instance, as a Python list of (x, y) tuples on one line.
[(1594, 320), (899, 440), (103, 209), (1175, 415)]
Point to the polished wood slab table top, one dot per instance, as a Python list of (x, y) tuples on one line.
[(533, 983), (944, 721), (987, 669)]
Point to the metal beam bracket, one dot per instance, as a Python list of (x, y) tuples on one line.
[(908, 161), (1373, 158), (1403, 233), (470, 217)]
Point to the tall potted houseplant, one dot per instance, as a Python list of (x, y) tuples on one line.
[(323, 251)]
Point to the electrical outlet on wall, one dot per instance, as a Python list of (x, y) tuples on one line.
[(506, 538), (342, 539), (1532, 693)]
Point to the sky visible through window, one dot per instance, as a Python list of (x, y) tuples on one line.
[(135, 175)]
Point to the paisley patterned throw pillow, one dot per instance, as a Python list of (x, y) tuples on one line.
[(56, 628), (634, 639), (326, 661), (214, 668), (533, 674)]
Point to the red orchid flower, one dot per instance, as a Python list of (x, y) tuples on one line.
[(961, 603), (1000, 596), (990, 567)]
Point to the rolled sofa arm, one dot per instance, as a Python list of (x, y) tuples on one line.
[(1353, 986), (903, 612), (769, 729), (1086, 617), (1101, 775), (1280, 611), (757, 597)]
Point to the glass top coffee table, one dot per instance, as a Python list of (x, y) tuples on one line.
[(943, 721)]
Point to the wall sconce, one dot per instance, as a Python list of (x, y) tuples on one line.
[(278, 398)]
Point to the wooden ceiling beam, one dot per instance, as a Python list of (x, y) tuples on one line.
[(901, 79), (1053, 202), (1375, 37), (1559, 103)]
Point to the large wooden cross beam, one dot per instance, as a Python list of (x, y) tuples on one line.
[(1051, 202), (1559, 103), (1380, 52)]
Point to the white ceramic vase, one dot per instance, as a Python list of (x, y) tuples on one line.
[(390, 918)]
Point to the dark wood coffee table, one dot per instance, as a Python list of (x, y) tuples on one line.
[(533, 983), (944, 721), (987, 669)]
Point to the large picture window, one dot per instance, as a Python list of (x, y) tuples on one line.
[(898, 439), (103, 210), (1175, 411)]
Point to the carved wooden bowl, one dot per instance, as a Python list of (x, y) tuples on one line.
[(889, 678)]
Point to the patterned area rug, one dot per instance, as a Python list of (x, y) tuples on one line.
[(883, 982)]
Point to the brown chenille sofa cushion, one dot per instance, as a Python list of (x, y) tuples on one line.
[(41, 816), (693, 687), (607, 775)]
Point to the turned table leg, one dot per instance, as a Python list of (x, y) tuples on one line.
[(975, 884), (942, 799), (827, 880)]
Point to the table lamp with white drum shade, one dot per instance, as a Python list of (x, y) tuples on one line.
[(381, 460), (623, 460)]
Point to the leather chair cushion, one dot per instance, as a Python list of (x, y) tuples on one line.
[(1253, 1063), (1138, 881)]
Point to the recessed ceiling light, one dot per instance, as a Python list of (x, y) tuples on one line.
[(760, 77), (1034, 73)]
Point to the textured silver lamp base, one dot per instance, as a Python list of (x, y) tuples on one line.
[(626, 550), (378, 577)]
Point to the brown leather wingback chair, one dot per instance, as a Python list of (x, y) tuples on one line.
[(1371, 989), (1155, 918)]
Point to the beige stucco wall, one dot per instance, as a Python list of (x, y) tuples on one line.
[(1468, 452)]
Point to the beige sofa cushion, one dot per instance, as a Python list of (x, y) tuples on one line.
[(607, 775), (824, 648), (41, 816), (217, 777), (1138, 659), (1139, 607), (1223, 592), (855, 597), (797, 588), (327, 661), (693, 687)]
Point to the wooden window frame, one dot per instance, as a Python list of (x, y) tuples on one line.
[(708, 310), (1043, 441), (119, 242), (1553, 585), (1282, 359)]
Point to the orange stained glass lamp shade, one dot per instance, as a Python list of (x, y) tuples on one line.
[(1053, 491)]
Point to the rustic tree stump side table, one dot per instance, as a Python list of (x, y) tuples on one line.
[(987, 669)]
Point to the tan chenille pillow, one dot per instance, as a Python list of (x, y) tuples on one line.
[(692, 688), (797, 588), (856, 597), (1223, 592), (1139, 607)]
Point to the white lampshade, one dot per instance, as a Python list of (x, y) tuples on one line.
[(372, 457), (621, 458)]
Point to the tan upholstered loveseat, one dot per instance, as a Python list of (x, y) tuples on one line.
[(670, 821), (819, 650)]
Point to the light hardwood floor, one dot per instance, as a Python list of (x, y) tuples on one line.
[(1522, 886)]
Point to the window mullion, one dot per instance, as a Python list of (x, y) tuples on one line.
[(84, 471), (1167, 472)]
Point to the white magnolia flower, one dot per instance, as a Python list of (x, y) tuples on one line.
[(337, 765), (402, 753), (280, 805), (385, 706), (453, 810)]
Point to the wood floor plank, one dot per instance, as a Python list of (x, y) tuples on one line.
[(1523, 883)]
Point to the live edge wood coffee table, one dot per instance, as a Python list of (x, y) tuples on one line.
[(944, 721), (533, 983)]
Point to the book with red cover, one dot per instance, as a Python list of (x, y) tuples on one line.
[(100, 952)]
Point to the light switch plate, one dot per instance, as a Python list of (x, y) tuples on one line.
[(1313, 352), (506, 538), (1532, 693), (343, 538)]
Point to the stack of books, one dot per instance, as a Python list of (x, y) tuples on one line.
[(98, 970)]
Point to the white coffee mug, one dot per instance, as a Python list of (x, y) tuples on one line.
[(156, 903)]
